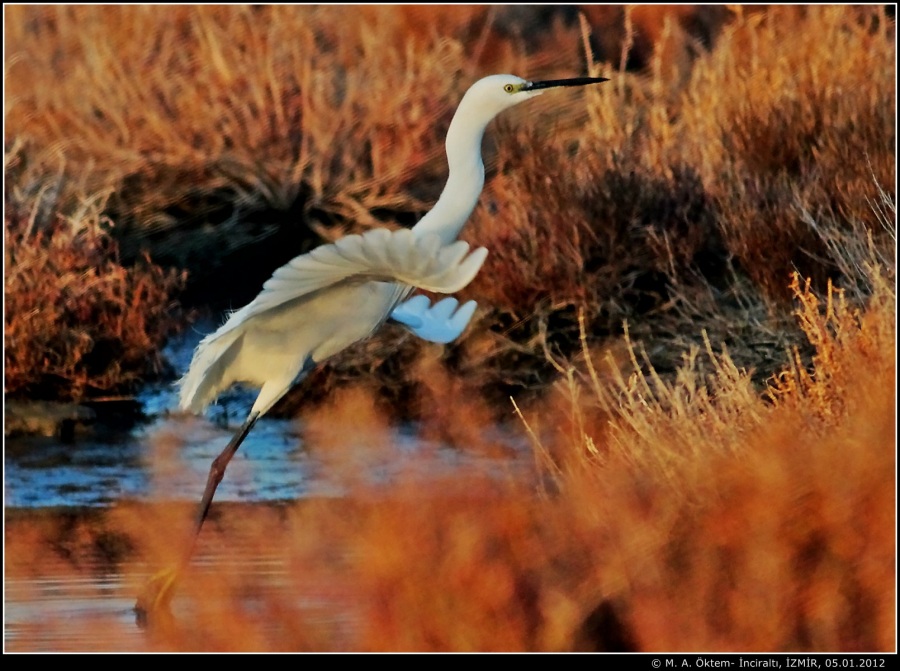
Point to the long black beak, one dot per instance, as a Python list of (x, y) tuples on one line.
[(551, 83)]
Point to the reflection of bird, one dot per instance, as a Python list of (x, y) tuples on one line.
[(324, 301)]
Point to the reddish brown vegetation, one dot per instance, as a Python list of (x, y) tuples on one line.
[(715, 434), (78, 323)]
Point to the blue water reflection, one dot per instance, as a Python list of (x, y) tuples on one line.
[(168, 457)]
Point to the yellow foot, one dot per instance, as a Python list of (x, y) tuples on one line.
[(153, 601)]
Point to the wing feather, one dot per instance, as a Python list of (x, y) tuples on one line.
[(399, 257), (379, 255)]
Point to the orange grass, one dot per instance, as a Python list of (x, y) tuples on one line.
[(678, 198), (77, 323), (713, 431), (261, 104), (672, 520)]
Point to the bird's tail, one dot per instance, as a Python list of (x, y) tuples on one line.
[(205, 377)]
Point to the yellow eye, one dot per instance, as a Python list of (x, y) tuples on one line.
[(509, 88)]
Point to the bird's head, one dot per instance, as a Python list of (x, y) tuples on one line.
[(484, 100), (495, 93)]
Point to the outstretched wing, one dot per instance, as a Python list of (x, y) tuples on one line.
[(398, 257), (440, 323), (380, 255)]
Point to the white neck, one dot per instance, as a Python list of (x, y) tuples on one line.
[(466, 178)]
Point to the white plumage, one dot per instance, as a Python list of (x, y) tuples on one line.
[(320, 303), (324, 301)]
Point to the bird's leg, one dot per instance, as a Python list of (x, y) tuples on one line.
[(158, 591), (216, 473)]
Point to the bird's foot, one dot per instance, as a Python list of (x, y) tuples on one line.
[(153, 601)]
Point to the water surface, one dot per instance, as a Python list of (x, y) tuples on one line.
[(167, 458)]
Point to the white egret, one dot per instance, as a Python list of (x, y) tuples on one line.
[(338, 294)]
